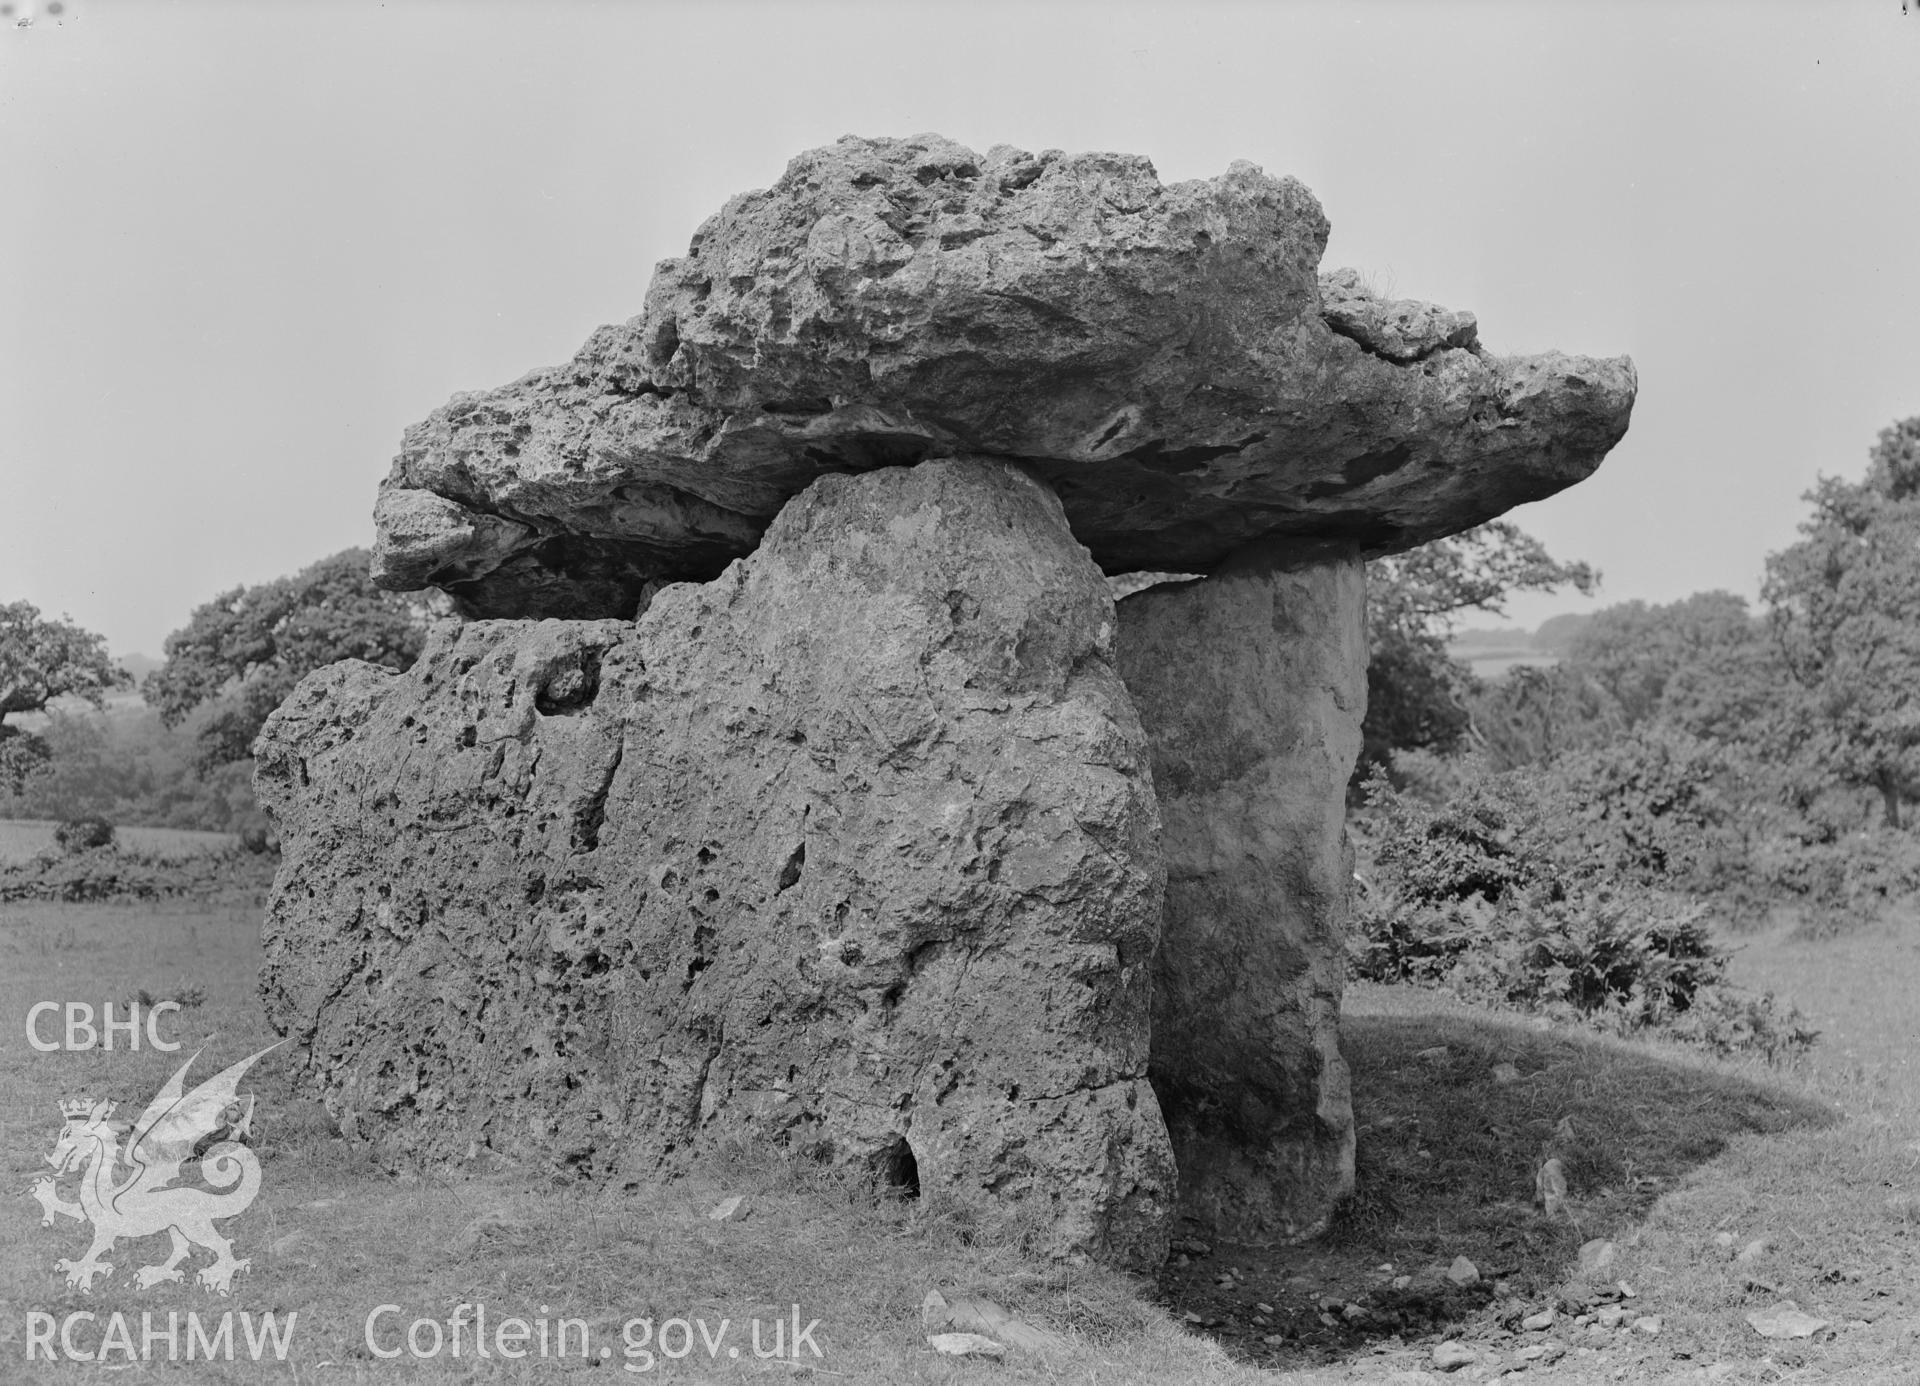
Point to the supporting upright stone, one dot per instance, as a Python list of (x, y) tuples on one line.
[(852, 849), (1251, 685)]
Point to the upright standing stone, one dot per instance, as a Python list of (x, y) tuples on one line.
[(1251, 684), (852, 849)]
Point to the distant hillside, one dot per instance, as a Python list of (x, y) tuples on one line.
[(1557, 633), (138, 665), (1489, 638), (1491, 651)]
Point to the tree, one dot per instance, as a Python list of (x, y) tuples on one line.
[(1738, 693), (1636, 652), (1416, 692), (1845, 610), (42, 659), (240, 654), (1536, 715)]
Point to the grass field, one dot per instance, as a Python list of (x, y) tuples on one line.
[(1664, 1151), (22, 839)]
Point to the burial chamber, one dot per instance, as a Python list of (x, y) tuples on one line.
[(796, 779)]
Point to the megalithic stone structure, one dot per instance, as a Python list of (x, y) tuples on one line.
[(1251, 685), (800, 783)]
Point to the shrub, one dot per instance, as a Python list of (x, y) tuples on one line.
[(101, 873), (1656, 805), (1847, 880), (1537, 892), (83, 834), (1466, 847), (1638, 957), (1643, 953), (1727, 1021)]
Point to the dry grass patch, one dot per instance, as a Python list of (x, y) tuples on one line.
[(1837, 1210), (1666, 1150), (332, 1237), (1456, 1111)]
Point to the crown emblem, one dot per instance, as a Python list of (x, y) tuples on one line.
[(77, 1108)]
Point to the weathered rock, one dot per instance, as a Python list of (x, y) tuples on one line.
[(977, 1314), (1550, 1187), (853, 848), (1168, 358), (1451, 1356), (966, 1345), (1401, 330), (1785, 1320), (1251, 686)]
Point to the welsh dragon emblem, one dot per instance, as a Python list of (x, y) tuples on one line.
[(132, 1194)]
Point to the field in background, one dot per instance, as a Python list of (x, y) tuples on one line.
[(1496, 664), (1820, 1163), (22, 839), (1492, 652)]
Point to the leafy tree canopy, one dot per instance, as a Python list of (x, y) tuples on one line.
[(1704, 665), (1415, 690), (1845, 610), (1430, 587), (1535, 715), (42, 659), (242, 653), (1634, 651)]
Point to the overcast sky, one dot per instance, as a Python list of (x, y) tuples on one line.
[(243, 246)]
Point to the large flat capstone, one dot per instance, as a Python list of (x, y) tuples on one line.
[(1167, 358), (852, 849)]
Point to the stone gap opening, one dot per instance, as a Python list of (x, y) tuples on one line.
[(790, 873), (897, 1170)]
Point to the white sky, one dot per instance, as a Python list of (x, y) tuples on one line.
[(242, 246)]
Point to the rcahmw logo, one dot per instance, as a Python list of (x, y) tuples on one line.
[(82, 1337), (130, 1192)]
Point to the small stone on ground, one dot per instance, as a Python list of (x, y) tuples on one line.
[(1785, 1320), (965, 1345), (1596, 1256)]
